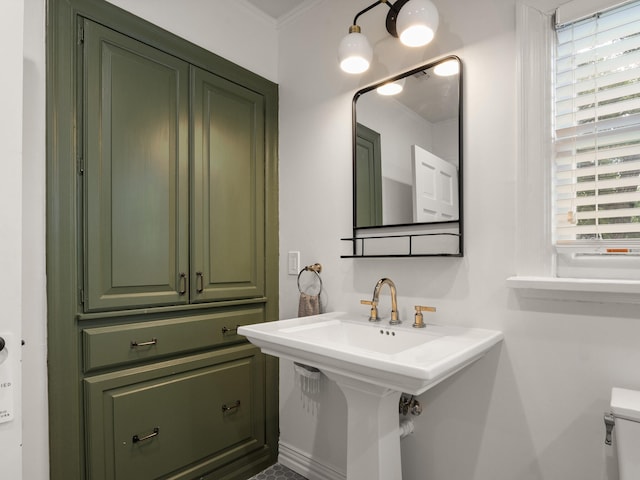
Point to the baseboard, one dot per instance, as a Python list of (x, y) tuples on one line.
[(302, 463)]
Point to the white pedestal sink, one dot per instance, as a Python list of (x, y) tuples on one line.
[(373, 364)]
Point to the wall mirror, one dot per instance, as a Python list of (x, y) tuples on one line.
[(407, 152)]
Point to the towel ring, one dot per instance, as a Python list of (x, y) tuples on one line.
[(316, 268)]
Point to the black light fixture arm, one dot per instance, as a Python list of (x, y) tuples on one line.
[(372, 6), (394, 10)]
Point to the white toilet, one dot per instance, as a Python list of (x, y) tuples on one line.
[(625, 408)]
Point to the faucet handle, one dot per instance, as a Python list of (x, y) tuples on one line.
[(419, 318), (373, 317), (422, 308)]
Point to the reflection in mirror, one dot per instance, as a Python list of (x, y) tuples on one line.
[(407, 148)]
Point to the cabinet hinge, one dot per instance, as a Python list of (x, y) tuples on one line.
[(80, 35), (82, 296), (80, 163)]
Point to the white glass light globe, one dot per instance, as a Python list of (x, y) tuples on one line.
[(355, 53), (417, 23)]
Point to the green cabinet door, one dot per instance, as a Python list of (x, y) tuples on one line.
[(136, 164), (228, 155)]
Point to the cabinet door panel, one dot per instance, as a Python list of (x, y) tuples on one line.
[(136, 174), (228, 193), (147, 423)]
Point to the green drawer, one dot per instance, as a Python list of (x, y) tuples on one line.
[(191, 414), (142, 341)]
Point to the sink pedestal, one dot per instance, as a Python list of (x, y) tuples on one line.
[(373, 434), (373, 365)]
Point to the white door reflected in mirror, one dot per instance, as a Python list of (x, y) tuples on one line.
[(435, 187)]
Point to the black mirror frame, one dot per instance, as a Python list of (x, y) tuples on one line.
[(387, 228)]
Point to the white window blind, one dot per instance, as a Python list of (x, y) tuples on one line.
[(597, 133)]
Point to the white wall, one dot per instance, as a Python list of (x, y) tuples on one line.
[(34, 319), (532, 408), (11, 15)]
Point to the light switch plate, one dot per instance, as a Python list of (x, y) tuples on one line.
[(293, 267)]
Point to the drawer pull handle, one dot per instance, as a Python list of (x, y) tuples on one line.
[(230, 330), (153, 341), (183, 284), (137, 439), (235, 406), (199, 282)]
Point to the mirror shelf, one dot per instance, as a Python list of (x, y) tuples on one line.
[(402, 245), (407, 165)]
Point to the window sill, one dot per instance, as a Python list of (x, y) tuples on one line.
[(580, 289)]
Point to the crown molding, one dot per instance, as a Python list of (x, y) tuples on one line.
[(296, 12), (284, 19)]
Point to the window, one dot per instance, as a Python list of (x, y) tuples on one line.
[(596, 171)]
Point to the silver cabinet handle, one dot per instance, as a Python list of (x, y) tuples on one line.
[(183, 284), (230, 330), (153, 341), (235, 406), (137, 439), (199, 282)]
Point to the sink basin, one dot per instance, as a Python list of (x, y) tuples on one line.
[(398, 357), (373, 364)]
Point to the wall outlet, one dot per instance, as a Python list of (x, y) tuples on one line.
[(8, 363), (293, 267)]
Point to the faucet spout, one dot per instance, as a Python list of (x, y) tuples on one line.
[(394, 302)]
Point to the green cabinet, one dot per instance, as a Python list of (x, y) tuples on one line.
[(162, 239), (151, 202)]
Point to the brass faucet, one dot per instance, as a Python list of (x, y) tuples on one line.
[(374, 301)]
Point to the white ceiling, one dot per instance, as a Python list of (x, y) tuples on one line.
[(278, 9)]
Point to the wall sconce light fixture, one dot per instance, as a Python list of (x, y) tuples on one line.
[(414, 22)]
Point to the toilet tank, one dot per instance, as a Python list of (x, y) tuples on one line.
[(625, 406)]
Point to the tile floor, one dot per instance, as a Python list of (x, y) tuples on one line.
[(277, 472)]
